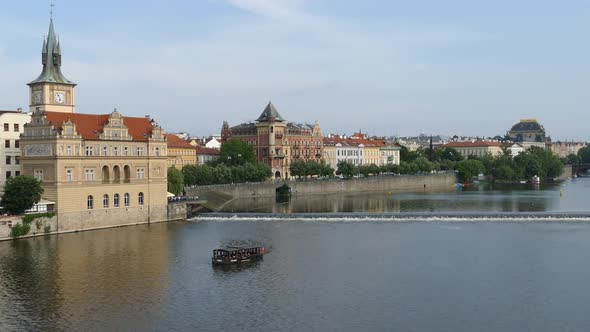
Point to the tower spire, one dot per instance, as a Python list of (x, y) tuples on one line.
[(51, 58)]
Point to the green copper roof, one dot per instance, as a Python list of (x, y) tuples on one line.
[(51, 60), (270, 112)]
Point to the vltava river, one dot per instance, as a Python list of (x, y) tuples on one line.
[(319, 275)]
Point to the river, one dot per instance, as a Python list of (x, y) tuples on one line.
[(337, 274)]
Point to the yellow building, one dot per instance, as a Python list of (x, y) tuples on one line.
[(477, 148), (180, 152), (100, 169)]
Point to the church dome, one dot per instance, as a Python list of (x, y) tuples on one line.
[(527, 125)]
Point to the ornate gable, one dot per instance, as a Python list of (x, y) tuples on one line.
[(115, 128)]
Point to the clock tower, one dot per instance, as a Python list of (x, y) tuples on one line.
[(51, 91)]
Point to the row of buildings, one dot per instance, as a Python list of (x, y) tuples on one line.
[(522, 136), (278, 142)]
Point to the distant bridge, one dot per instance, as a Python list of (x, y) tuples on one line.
[(580, 168)]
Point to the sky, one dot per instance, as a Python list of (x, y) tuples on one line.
[(385, 67)]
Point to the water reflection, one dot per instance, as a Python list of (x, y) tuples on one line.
[(44, 281), (567, 196)]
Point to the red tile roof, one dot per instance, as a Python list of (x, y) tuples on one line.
[(210, 151), (90, 126), (476, 144), (329, 141), (177, 142)]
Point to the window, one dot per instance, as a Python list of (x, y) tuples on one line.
[(105, 150), (6, 127), (89, 151), (115, 151), (89, 174), (17, 144), (69, 175), (126, 199), (157, 152), (16, 127), (38, 174), (90, 202), (17, 173), (7, 143), (140, 199), (125, 151), (69, 150), (105, 201), (116, 200), (139, 151), (8, 160), (8, 174), (140, 173)]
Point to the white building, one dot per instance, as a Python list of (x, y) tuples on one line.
[(213, 143), (12, 123), (516, 149)]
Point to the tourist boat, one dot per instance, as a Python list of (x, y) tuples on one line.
[(536, 180), (236, 255)]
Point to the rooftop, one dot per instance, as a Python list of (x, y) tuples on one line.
[(90, 126)]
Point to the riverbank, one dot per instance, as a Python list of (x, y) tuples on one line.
[(223, 194)]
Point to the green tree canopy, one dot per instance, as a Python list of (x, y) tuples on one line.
[(470, 168), (235, 152), (584, 154), (175, 181), (346, 169), (21, 193)]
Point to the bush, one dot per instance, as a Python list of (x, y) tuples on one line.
[(20, 230)]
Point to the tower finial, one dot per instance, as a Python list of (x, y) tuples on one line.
[(51, 5)]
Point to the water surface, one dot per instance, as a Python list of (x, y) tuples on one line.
[(328, 275)]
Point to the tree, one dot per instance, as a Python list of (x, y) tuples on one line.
[(21, 193), (235, 152), (175, 181), (584, 154), (573, 159), (406, 155), (450, 154), (469, 168), (346, 169)]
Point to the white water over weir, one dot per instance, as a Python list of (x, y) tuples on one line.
[(406, 216)]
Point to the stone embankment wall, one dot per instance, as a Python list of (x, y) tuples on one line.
[(39, 227), (386, 183), (177, 211)]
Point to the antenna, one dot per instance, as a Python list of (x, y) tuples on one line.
[(51, 5)]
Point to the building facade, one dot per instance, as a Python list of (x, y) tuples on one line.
[(359, 150), (205, 155), (476, 148), (180, 152), (564, 149), (277, 142), (100, 170), (12, 123)]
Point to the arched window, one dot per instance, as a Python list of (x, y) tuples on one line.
[(105, 174), (116, 174), (116, 200), (126, 199), (105, 201), (90, 202), (127, 173), (140, 198)]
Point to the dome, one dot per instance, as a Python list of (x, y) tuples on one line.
[(527, 125)]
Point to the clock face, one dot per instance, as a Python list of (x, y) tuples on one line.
[(60, 97), (38, 96)]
